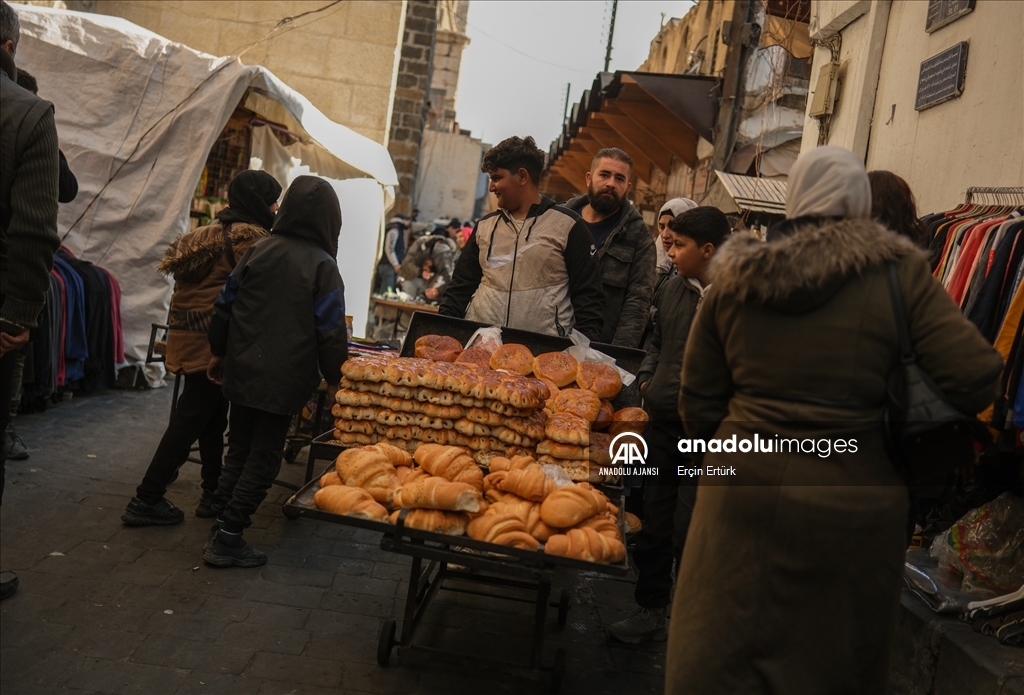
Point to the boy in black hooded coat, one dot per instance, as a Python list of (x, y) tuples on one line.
[(278, 324)]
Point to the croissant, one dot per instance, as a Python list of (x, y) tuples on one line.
[(438, 493), (586, 544), (502, 529), (434, 520), (604, 523), (349, 501), (410, 475), (398, 457), (527, 511), (451, 463), (529, 483), (370, 470), (491, 480), (330, 478), (569, 505)]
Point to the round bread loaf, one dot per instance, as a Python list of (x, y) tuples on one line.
[(440, 348), (568, 429), (602, 379), (474, 356), (604, 416), (579, 402), (513, 357), (558, 367), (628, 420)]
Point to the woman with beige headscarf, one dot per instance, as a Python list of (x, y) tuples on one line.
[(793, 560)]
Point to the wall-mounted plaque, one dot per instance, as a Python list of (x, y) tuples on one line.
[(942, 77), (942, 12)]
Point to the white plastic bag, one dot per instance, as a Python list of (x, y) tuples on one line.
[(582, 352), (486, 339)]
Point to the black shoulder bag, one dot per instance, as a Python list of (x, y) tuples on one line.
[(927, 436)]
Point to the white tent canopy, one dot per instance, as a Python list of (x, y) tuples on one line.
[(137, 115)]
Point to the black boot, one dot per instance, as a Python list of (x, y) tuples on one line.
[(8, 584), (229, 550), (163, 513), (205, 509)]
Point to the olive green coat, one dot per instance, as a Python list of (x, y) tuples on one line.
[(789, 581)]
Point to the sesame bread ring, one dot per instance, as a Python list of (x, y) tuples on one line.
[(440, 348), (559, 367), (602, 379), (474, 356), (579, 402), (513, 357)]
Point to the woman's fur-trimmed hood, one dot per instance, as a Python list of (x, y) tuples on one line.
[(805, 269), (195, 253)]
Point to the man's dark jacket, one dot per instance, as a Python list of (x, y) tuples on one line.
[(279, 321), (628, 260), (29, 174), (661, 369)]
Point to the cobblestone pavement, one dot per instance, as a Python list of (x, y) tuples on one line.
[(104, 608)]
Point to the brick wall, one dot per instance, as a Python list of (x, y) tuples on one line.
[(412, 97)]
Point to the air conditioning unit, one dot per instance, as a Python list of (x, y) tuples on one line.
[(824, 96)]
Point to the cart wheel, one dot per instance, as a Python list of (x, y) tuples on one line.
[(558, 671), (563, 607), (385, 641)]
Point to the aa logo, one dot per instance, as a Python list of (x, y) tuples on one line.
[(628, 449)]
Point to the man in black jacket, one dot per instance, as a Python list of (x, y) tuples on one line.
[(529, 265), (625, 248), (28, 219), (278, 324)]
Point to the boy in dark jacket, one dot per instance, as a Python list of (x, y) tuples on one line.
[(668, 500), (278, 324)]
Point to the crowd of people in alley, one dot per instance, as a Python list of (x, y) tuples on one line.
[(773, 587)]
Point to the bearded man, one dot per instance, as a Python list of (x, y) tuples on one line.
[(625, 248)]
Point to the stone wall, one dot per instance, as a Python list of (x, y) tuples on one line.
[(412, 98)]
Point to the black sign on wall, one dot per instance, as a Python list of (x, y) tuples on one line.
[(942, 77), (942, 12)]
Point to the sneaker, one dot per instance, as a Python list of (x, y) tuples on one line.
[(205, 508), (644, 625), (163, 513), (212, 535), (219, 553), (16, 449), (8, 584)]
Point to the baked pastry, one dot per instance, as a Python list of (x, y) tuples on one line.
[(568, 429), (474, 356), (398, 457), (528, 482), (361, 426), (604, 523), (586, 544), (579, 402), (628, 420), (451, 463), (440, 348), (354, 438), (502, 463), (602, 379), (604, 415), (569, 505), (502, 529), (513, 357), (435, 520), (558, 367), (349, 501), (410, 475), (370, 470), (330, 478), (552, 392), (567, 452), (437, 493)]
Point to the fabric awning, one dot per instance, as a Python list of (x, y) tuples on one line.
[(654, 117)]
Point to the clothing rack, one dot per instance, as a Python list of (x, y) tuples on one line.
[(1000, 195)]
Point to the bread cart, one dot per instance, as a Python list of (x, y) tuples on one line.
[(491, 566), (438, 557)]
